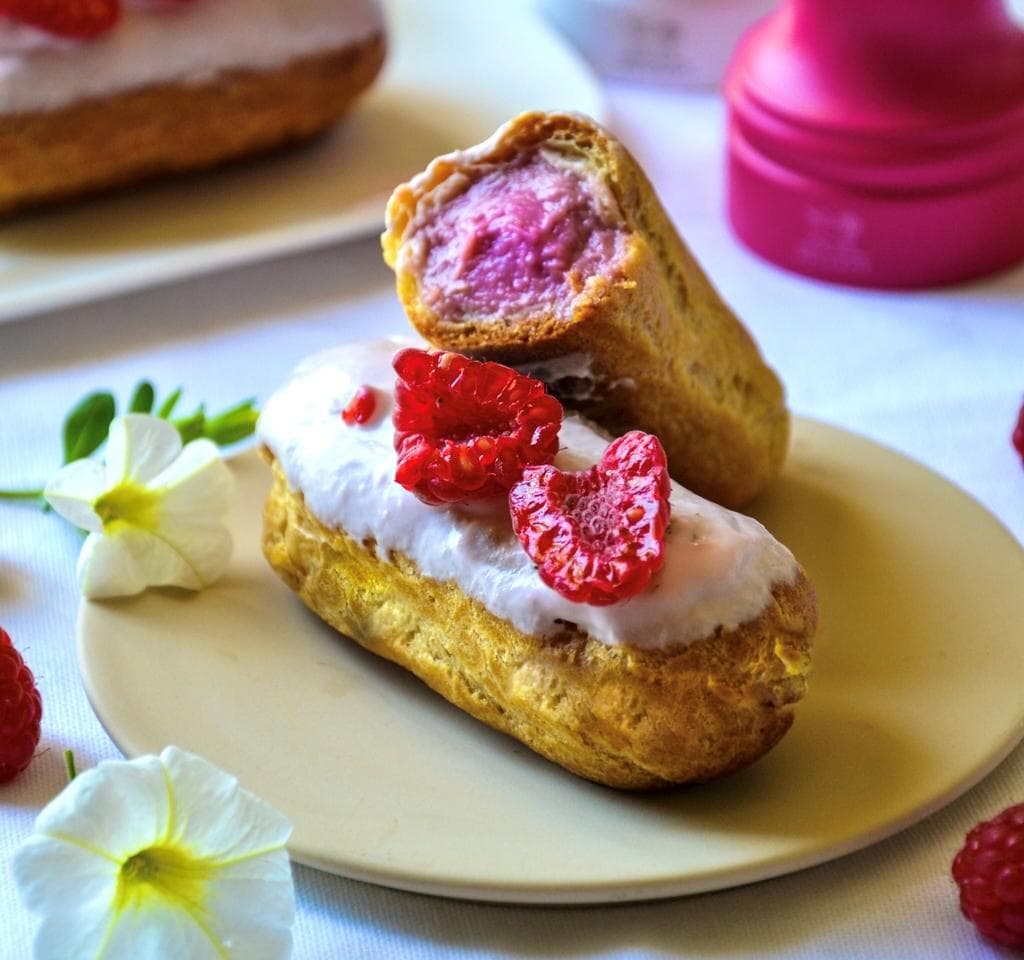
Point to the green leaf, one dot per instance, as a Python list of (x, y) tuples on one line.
[(87, 426), (142, 398), (191, 428), (167, 407), (234, 424)]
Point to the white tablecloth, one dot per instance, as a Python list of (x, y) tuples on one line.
[(938, 375)]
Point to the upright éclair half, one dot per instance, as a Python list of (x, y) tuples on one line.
[(545, 247), (695, 677)]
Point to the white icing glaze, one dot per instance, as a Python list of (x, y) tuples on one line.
[(719, 568), (161, 43)]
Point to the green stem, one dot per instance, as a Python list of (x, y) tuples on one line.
[(21, 494), (69, 765)]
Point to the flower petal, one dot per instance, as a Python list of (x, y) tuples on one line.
[(160, 930), (255, 919), (139, 447), (62, 938), (126, 562), (252, 902), (217, 818), (106, 569), (117, 808), (73, 490), (204, 547), (63, 876), (198, 482)]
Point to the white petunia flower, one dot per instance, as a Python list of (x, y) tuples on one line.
[(153, 511), (155, 859)]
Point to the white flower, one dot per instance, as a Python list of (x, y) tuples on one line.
[(155, 859), (154, 511)]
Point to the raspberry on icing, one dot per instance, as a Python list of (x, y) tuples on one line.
[(597, 536), (21, 709), (464, 429), (989, 870), (74, 19)]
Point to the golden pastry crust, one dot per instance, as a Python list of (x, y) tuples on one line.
[(618, 715), (667, 354), (107, 142)]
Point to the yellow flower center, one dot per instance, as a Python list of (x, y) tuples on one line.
[(128, 504), (167, 873)]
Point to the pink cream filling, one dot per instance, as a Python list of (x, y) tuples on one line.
[(518, 240)]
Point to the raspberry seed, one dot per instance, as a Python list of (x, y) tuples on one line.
[(361, 408)]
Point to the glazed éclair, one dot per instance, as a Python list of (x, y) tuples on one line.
[(694, 677)]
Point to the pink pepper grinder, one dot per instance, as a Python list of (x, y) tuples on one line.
[(879, 143)]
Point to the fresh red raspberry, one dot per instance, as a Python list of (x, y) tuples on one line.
[(597, 536), (74, 19), (989, 871), (465, 430), (361, 407), (21, 709), (1018, 434)]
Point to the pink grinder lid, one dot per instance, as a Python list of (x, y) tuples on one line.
[(882, 143)]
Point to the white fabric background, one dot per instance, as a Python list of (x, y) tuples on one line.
[(938, 375)]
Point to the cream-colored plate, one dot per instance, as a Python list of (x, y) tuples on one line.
[(916, 695), (456, 70)]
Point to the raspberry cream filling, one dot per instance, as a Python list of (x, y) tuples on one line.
[(719, 569), (515, 240), (174, 43)]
